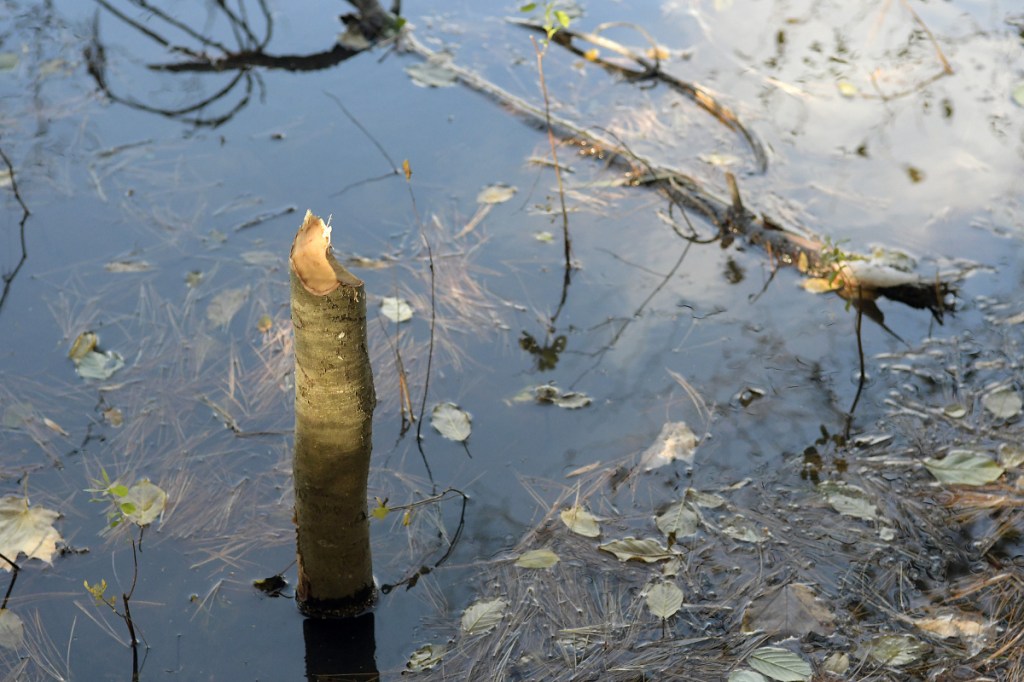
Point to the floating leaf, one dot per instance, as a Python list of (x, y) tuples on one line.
[(17, 415), (837, 663), (572, 400), (395, 309), (955, 411), (746, 676), (272, 586), (264, 324), (743, 530), (83, 344), (676, 441), (846, 88), (791, 610), (435, 72), (426, 657), (678, 520), (12, 630), (497, 193), (954, 624), (544, 236), (483, 615), (894, 650), (193, 278), (664, 600), (147, 502), (99, 366), (1003, 403), (848, 500), (1011, 455), (964, 467), (114, 417), (121, 266), (26, 530), (647, 550), (8, 60), (225, 305), (451, 421), (537, 558), (706, 500), (780, 664), (581, 522)]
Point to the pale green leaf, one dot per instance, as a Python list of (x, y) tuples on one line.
[(8, 60), (780, 664), (964, 467), (678, 520), (497, 193), (225, 305), (837, 663), (451, 421), (746, 676), (147, 502), (426, 657), (894, 650), (435, 72), (647, 550), (572, 400), (483, 615), (12, 630), (848, 500), (100, 366), (664, 600), (581, 522), (26, 530), (1011, 455), (537, 558), (395, 309), (1003, 403)]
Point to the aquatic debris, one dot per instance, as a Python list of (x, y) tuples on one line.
[(91, 363), (537, 558), (964, 467), (675, 442), (481, 616), (664, 600), (581, 522), (451, 421), (396, 309), (26, 530)]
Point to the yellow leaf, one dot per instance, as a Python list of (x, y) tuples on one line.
[(407, 169), (591, 55)]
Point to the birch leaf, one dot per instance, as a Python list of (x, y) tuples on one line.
[(581, 522), (537, 558), (676, 441), (664, 600), (791, 610), (780, 664), (678, 520), (451, 421), (648, 550), (26, 530), (746, 676), (483, 615), (395, 309), (426, 657), (964, 467), (1003, 403)]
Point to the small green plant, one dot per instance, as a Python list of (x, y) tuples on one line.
[(139, 504), (551, 16), (833, 258)]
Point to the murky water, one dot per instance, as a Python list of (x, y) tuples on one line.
[(864, 148)]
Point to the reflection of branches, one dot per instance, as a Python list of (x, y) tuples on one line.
[(8, 278), (210, 55)]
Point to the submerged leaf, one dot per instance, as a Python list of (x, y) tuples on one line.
[(483, 615), (26, 530), (572, 400), (581, 522), (451, 421), (537, 558), (122, 266), (647, 550), (664, 600), (497, 193), (741, 529), (678, 520), (426, 657), (791, 610), (780, 664), (100, 366), (395, 309), (676, 441), (964, 467), (435, 72), (894, 650), (1003, 403), (225, 305), (12, 630), (848, 500)]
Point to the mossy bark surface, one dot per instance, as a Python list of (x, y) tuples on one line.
[(334, 402)]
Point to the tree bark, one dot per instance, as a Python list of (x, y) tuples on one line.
[(334, 401)]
